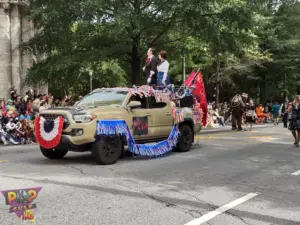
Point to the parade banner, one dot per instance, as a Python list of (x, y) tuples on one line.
[(196, 80), (21, 202)]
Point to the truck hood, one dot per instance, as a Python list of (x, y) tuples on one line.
[(72, 110), (113, 110)]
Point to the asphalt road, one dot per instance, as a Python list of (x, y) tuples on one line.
[(229, 178)]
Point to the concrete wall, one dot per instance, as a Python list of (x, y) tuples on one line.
[(5, 49), (15, 28), (27, 60), (15, 36)]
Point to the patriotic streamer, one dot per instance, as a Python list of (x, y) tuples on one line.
[(165, 95), (120, 127), (161, 96), (179, 114), (50, 138), (144, 90)]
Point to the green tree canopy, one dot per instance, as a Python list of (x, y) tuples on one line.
[(240, 45)]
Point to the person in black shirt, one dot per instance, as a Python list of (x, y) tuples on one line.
[(294, 125), (284, 112), (150, 68)]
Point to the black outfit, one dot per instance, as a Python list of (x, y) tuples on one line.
[(250, 114), (237, 114), (151, 65), (21, 107), (285, 115), (294, 124)]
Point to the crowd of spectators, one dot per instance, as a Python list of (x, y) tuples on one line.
[(17, 114), (219, 114)]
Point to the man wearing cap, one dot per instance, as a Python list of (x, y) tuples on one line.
[(238, 107)]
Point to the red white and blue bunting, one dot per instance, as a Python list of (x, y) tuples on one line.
[(48, 132), (120, 127)]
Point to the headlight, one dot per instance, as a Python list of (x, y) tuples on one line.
[(84, 118)]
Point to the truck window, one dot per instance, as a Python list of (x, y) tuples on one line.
[(103, 98), (139, 99), (156, 105)]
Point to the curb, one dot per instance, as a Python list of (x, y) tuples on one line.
[(228, 129)]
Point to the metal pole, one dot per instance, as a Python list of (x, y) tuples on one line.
[(184, 75), (285, 92), (91, 81)]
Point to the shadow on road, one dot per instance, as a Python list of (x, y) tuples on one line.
[(88, 159)]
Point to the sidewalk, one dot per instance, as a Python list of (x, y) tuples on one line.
[(228, 128)]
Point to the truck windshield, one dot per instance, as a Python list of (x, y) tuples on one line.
[(103, 98)]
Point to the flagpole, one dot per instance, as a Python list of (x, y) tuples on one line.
[(196, 74), (184, 75)]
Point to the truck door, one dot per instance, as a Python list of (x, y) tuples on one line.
[(138, 118), (161, 120)]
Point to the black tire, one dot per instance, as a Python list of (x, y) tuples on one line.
[(53, 153), (107, 150), (185, 139)]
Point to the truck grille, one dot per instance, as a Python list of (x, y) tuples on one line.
[(54, 116)]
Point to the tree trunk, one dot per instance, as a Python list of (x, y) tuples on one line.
[(218, 80), (135, 62), (285, 91), (135, 48), (262, 86)]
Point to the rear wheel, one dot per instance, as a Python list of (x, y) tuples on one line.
[(185, 139), (53, 153), (107, 150)]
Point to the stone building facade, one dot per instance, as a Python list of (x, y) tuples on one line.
[(15, 28)]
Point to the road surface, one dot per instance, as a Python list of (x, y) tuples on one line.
[(228, 178)]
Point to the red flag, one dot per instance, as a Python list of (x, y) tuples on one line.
[(196, 80)]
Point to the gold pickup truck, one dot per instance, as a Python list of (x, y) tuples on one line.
[(80, 123)]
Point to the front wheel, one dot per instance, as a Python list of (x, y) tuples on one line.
[(185, 139), (53, 153), (107, 150)]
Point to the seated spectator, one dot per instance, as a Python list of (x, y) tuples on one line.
[(20, 105), (219, 118), (11, 129), (10, 106), (3, 110), (18, 134)]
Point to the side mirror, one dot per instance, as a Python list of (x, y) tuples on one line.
[(134, 104)]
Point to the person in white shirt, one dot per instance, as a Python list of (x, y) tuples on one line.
[(220, 119), (163, 78)]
